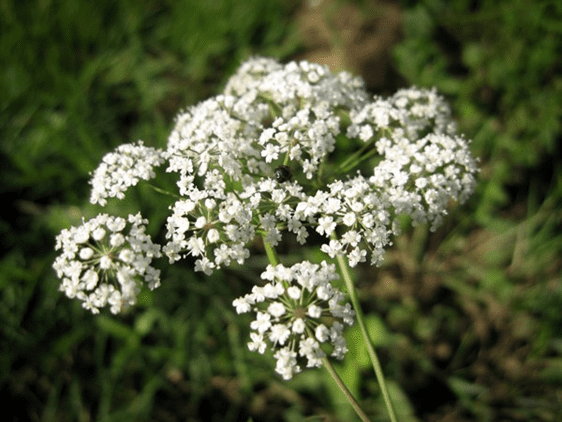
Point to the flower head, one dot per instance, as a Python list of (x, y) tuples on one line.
[(122, 169), (255, 160), (104, 261), (296, 313)]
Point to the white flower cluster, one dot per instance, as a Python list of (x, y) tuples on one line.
[(296, 312), (260, 160), (104, 260), (268, 112), (215, 225), (226, 150), (122, 169)]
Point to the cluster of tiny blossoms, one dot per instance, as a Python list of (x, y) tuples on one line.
[(260, 159), (104, 260), (296, 312), (225, 152), (122, 169)]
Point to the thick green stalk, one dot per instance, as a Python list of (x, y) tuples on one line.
[(361, 320), (270, 251)]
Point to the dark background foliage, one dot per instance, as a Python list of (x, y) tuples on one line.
[(466, 319)]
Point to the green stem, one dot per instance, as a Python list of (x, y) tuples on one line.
[(344, 390), (367, 156), (270, 251), (162, 191), (361, 320), (349, 162)]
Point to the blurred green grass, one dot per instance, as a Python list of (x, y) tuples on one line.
[(485, 304), (469, 313), (77, 79)]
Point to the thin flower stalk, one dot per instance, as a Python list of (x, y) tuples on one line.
[(362, 326), (341, 385)]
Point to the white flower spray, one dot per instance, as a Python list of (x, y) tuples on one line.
[(262, 160), (102, 264), (296, 312)]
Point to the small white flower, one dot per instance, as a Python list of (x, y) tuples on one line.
[(98, 234), (116, 224), (326, 225), (242, 305), (325, 291), (200, 222), (279, 333), (298, 326), (257, 343), (270, 153), (276, 309), (356, 255), (333, 248), (310, 348), (204, 265), (213, 235), (262, 322), (314, 311), (351, 237), (273, 291), (86, 253), (322, 333), (81, 235), (196, 246), (349, 219), (286, 363), (332, 206), (294, 292), (421, 182), (90, 279), (116, 240), (105, 262)]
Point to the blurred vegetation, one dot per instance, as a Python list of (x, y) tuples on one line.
[(482, 313), (467, 319), (77, 79), (499, 63)]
